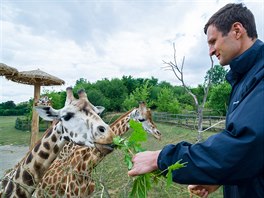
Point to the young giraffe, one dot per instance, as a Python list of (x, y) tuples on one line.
[(76, 122), (70, 174)]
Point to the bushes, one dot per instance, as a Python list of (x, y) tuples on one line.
[(9, 108), (22, 124)]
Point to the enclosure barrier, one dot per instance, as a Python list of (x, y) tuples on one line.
[(215, 123)]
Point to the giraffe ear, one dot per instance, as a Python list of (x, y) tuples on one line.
[(47, 113), (98, 109)]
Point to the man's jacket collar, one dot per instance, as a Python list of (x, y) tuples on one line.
[(243, 63)]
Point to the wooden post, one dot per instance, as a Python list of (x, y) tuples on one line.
[(35, 117)]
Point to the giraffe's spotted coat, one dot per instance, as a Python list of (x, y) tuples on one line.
[(22, 180), (70, 174)]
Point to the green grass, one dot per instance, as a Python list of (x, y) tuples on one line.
[(9, 135), (111, 174)]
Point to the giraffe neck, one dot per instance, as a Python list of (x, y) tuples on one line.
[(27, 174), (121, 125)]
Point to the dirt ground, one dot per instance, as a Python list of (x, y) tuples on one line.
[(10, 155)]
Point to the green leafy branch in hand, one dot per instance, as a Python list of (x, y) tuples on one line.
[(171, 168), (130, 146)]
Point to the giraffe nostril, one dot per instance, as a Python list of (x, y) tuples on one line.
[(102, 129)]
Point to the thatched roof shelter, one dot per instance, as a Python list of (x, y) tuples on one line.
[(37, 78), (6, 70)]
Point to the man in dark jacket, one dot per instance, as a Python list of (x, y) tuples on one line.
[(234, 157)]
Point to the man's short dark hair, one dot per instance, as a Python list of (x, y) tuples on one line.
[(224, 18)]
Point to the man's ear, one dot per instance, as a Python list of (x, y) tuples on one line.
[(238, 30)]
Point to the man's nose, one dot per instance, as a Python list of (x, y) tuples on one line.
[(211, 50)]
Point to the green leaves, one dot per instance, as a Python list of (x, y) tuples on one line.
[(130, 146), (118, 141), (138, 135), (141, 186), (171, 168)]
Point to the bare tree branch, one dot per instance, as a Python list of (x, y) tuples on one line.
[(178, 72), (208, 85)]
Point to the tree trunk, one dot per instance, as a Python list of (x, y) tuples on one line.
[(200, 124)]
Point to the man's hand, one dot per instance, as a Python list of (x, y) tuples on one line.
[(202, 190), (144, 162)]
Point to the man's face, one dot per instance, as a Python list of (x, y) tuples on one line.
[(225, 48)]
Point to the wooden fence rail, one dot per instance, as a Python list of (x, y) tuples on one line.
[(214, 122)]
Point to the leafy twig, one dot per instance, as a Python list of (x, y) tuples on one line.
[(130, 146)]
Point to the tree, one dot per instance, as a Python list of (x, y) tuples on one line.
[(217, 75), (141, 93), (178, 72), (218, 100), (22, 108), (167, 102), (8, 105), (10, 108), (97, 98), (130, 83), (114, 90)]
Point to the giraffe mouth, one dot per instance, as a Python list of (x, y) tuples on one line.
[(104, 148)]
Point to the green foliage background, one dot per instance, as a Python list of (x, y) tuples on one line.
[(123, 94)]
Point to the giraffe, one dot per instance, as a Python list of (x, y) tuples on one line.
[(76, 122), (70, 174)]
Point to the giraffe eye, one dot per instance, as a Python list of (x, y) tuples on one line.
[(141, 120), (68, 116)]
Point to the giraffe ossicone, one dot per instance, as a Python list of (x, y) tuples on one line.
[(77, 122)]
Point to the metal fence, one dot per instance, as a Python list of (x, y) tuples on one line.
[(212, 122)]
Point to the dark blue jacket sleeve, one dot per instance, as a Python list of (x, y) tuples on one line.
[(229, 157)]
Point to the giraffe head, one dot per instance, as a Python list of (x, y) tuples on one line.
[(79, 122), (143, 114)]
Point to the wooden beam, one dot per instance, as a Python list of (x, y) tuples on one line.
[(35, 117)]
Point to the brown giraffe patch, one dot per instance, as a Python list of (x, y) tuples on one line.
[(29, 158), (55, 180), (19, 192), (46, 145), (27, 178), (9, 191), (38, 168), (56, 149), (86, 156), (54, 138), (36, 148), (43, 154)]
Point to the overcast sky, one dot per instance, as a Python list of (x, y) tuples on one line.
[(74, 39)]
